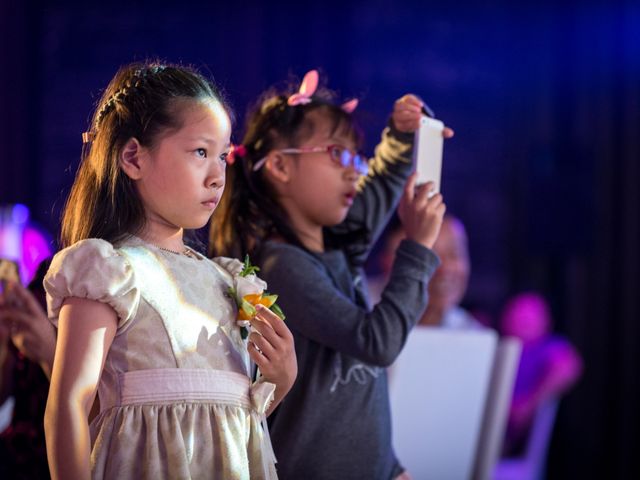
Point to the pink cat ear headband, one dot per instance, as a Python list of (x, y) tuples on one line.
[(308, 87), (303, 96)]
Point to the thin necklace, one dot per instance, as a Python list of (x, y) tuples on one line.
[(187, 252)]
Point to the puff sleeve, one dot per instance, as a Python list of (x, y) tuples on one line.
[(243, 285), (92, 269), (232, 266)]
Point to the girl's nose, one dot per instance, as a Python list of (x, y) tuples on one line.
[(351, 173), (216, 176)]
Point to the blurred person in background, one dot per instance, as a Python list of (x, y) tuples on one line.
[(549, 364), (449, 282), (27, 346)]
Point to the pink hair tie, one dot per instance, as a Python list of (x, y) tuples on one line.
[(235, 152), (307, 89)]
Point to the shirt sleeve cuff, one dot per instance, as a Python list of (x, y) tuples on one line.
[(415, 260)]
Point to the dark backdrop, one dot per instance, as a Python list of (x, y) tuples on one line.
[(544, 98)]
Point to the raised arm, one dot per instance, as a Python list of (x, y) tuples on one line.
[(86, 330), (380, 190), (318, 309)]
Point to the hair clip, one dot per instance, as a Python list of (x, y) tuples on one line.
[(88, 137), (235, 152), (307, 89), (258, 165), (350, 106)]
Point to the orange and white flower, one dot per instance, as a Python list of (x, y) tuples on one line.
[(249, 291)]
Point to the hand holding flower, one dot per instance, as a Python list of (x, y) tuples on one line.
[(271, 347)]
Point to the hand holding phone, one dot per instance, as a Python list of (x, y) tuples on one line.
[(421, 215)]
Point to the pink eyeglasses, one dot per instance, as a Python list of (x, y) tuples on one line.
[(339, 154)]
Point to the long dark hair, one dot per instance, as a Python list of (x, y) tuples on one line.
[(249, 212), (142, 101)]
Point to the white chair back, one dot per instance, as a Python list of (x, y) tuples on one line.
[(439, 386), (505, 369)]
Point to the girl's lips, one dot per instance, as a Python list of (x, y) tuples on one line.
[(210, 203), (348, 197)]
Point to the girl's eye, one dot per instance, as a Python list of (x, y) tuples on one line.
[(336, 153), (224, 156), (201, 152)]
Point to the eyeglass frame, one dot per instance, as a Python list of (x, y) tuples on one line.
[(338, 161)]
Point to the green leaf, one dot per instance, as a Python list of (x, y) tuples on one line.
[(234, 295), (278, 311), (247, 268), (248, 308), (269, 297), (244, 333)]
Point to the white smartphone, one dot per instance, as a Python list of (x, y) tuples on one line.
[(427, 152)]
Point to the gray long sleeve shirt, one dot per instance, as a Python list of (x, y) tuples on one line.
[(335, 421)]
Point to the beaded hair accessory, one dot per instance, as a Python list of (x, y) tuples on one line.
[(135, 82)]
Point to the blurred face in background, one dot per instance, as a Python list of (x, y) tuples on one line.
[(527, 317), (449, 283)]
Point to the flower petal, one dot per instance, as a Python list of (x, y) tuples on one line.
[(249, 285)]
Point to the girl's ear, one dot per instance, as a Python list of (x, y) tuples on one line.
[(279, 166), (131, 158)]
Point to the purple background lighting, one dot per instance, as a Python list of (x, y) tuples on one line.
[(22, 241), (544, 98)]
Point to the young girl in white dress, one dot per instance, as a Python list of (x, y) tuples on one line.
[(146, 322)]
